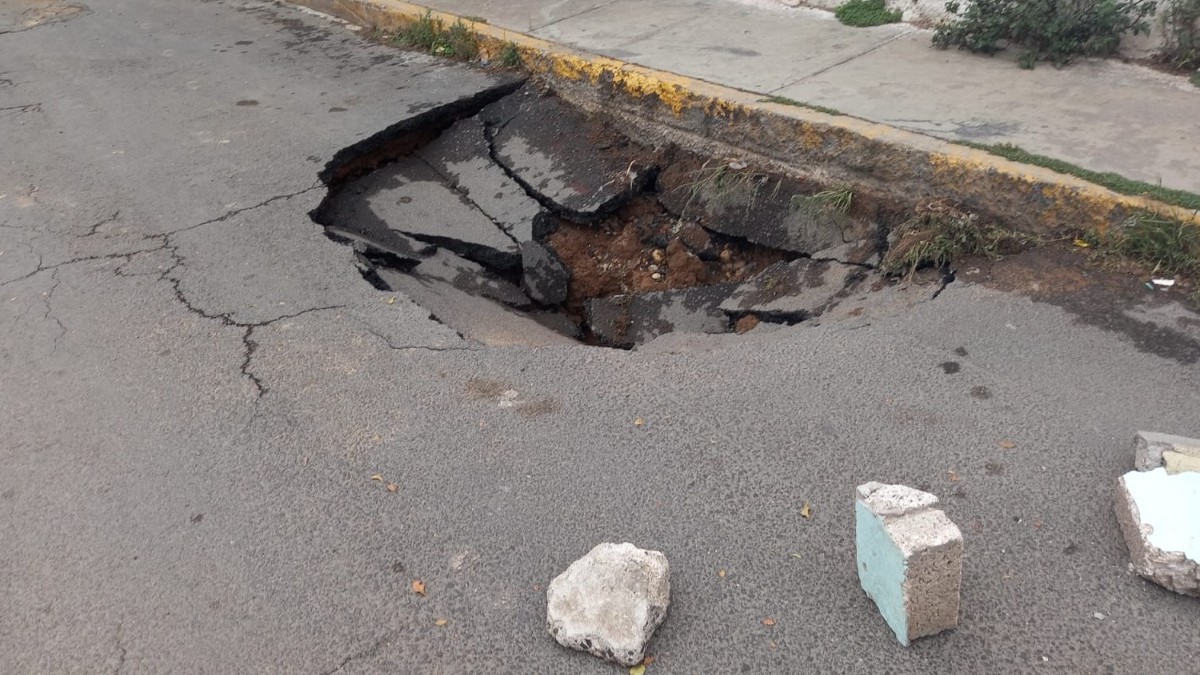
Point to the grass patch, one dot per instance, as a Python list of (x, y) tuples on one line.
[(431, 35), (783, 100), (940, 233), (1195, 79), (510, 56), (830, 201), (866, 13), (1166, 247), (1112, 181)]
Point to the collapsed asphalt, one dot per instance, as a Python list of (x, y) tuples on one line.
[(197, 387)]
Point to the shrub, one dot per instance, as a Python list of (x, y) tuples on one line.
[(1047, 30), (1181, 18), (865, 13)]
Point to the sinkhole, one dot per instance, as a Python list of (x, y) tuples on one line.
[(515, 218)]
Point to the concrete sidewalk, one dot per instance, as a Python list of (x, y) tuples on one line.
[(1100, 114)]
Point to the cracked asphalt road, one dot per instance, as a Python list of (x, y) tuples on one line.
[(196, 387)]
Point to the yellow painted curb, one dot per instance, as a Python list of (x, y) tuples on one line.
[(1046, 199)]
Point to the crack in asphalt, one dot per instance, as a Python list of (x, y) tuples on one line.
[(121, 651), (366, 653), (110, 219), (47, 316), (427, 348)]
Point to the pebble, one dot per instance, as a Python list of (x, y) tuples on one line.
[(658, 255), (656, 276), (653, 268)]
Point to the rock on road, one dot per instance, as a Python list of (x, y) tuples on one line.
[(196, 387)]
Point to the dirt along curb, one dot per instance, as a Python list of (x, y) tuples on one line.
[(830, 148)]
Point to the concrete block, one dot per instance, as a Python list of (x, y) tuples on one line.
[(609, 602), (1159, 514), (1150, 451), (909, 559)]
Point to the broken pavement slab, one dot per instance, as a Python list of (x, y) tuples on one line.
[(1177, 453), (626, 320), (475, 318), (462, 155), (1157, 512), (878, 296), (909, 559), (545, 278), (765, 209), (793, 291), (609, 602), (538, 141), (409, 197)]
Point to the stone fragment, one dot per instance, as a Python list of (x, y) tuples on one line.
[(909, 559), (792, 291), (1159, 514), (626, 320), (462, 156), (545, 278), (411, 198), (765, 209), (538, 140), (1150, 448), (609, 602)]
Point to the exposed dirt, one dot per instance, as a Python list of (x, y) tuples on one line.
[(623, 254)]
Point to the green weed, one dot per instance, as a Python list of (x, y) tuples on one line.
[(866, 13), (783, 100), (940, 233), (430, 35), (510, 56), (1112, 181)]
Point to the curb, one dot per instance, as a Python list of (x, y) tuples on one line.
[(831, 148)]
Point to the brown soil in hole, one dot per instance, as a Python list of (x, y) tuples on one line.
[(623, 253)]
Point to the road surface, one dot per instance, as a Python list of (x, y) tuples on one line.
[(196, 388)]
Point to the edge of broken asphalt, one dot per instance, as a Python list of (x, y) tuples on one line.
[(832, 148)]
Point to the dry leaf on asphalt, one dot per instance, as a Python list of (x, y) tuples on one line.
[(1007, 445), (1081, 243), (721, 573), (392, 487), (391, 300), (639, 422), (648, 660), (637, 670), (952, 476), (440, 622), (418, 587), (806, 510), (377, 477), (768, 621)]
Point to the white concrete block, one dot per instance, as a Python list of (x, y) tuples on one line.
[(1159, 515), (909, 559)]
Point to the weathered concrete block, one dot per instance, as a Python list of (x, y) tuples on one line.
[(909, 559), (1152, 450), (1159, 515), (610, 601)]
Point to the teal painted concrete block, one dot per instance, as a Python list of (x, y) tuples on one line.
[(909, 558)]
